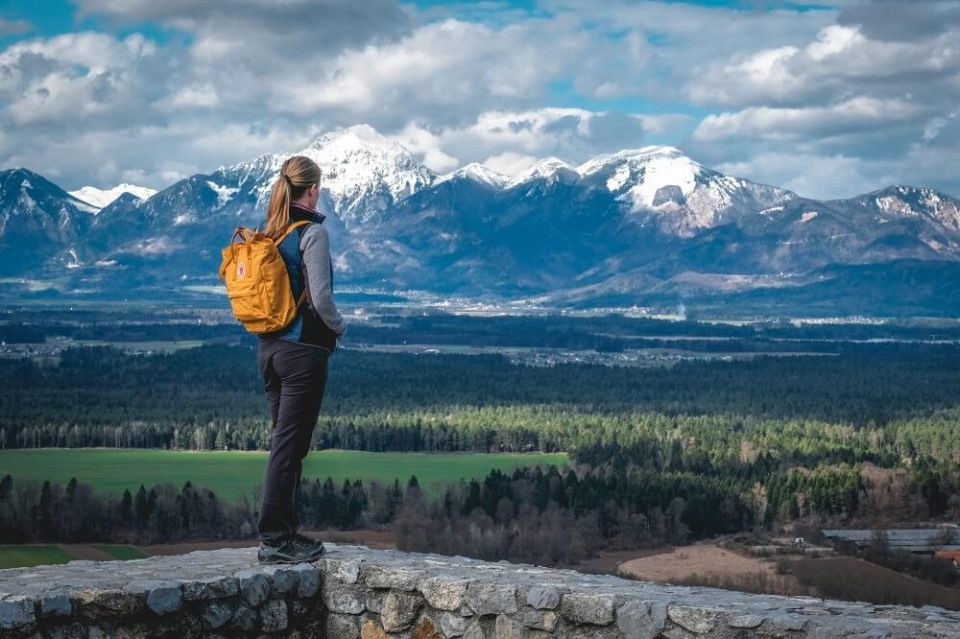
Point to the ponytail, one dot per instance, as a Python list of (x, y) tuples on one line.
[(297, 174)]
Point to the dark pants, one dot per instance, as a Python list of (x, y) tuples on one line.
[(295, 376)]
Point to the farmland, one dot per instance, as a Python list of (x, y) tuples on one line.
[(231, 473)]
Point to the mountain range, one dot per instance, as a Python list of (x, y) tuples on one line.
[(639, 227)]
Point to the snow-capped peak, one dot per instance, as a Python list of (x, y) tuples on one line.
[(909, 201), (479, 173), (684, 194), (649, 177), (100, 198), (643, 154), (547, 168), (363, 171), (366, 172), (356, 135)]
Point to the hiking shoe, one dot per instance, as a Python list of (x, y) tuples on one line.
[(291, 549)]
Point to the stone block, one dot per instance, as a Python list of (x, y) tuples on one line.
[(696, 620), (584, 608), (452, 625), (544, 597), (508, 628), (425, 628), (16, 612), (790, 622), (592, 632), (491, 598), (474, 630), (112, 602), (637, 620), (399, 610), (254, 587), (244, 618), (308, 579), (370, 629), (343, 598), (746, 621), (297, 609), (538, 619), (56, 604), (374, 600), (444, 593), (211, 588), (218, 613), (273, 615), (164, 597), (342, 627), (283, 579), (344, 570), (392, 577)]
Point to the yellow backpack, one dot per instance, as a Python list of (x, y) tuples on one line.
[(257, 282)]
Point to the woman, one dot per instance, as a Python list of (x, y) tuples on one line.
[(293, 360)]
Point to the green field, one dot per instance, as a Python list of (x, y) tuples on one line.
[(19, 556), (231, 473), (122, 552)]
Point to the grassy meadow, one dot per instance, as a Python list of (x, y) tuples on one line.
[(32, 555), (230, 473)]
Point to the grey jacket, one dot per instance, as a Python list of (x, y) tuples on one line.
[(315, 246)]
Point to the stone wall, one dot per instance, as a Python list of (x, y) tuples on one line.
[(354, 591)]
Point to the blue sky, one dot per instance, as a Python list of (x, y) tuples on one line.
[(830, 99)]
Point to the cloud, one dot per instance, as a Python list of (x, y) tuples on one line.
[(511, 141), (510, 163), (426, 145), (857, 86), (195, 95), (788, 124), (445, 72), (174, 150), (673, 45), (84, 77), (840, 61), (900, 20), (273, 77), (249, 25), (864, 106), (812, 175), (14, 27), (253, 59), (835, 176)]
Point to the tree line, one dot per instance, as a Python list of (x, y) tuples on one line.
[(532, 514)]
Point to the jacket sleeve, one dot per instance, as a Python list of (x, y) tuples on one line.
[(318, 265)]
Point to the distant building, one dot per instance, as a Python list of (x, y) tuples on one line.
[(916, 540)]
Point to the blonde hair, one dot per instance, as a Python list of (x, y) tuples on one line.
[(297, 174)]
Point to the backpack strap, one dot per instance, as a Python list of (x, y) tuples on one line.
[(290, 228)]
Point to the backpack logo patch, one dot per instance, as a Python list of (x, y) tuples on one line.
[(241, 270)]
